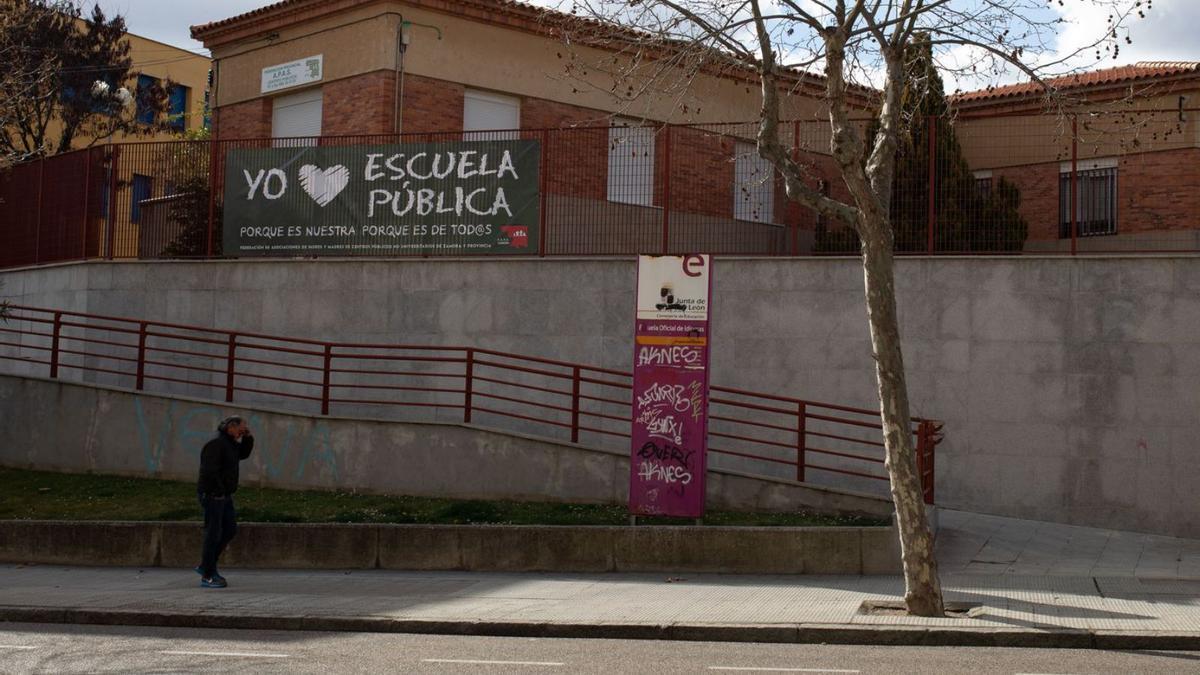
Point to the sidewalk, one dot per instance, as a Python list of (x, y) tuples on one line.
[(1032, 584), (979, 543), (1014, 610)]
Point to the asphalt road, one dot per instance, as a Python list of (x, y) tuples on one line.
[(29, 648)]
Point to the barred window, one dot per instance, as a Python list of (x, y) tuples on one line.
[(754, 185), (1095, 201), (631, 163)]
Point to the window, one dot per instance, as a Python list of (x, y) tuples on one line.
[(631, 163), (753, 185), (296, 117), (1095, 200), (140, 191), (983, 184), (145, 92), (486, 112), (177, 98)]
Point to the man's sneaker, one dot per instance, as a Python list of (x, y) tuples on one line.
[(200, 570), (213, 582)]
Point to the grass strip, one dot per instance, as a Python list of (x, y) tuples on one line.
[(43, 495)]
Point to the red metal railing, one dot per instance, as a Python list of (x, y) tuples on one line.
[(759, 433), (1117, 182)]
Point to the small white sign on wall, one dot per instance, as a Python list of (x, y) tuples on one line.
[(287, 75)]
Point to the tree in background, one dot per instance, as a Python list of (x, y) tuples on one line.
[(189, 210), (66, 79), (967, 217)]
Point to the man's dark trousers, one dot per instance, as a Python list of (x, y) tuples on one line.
[(220, 527)]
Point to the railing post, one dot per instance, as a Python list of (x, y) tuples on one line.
[(542, 182), (230, 359), (212, 196), (932, 169), (666, 183), (54, 340), (468, 387), (1074, 182), (575, 404), (141, 357), (801, 439), (325, 377)]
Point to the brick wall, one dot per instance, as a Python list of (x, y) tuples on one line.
[(431, 105), (1157, 191), (359, 105), (576, 159), (702, 172), (1039, 197), (249, 119)]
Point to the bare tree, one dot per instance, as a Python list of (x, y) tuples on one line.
[(860, 47), (67, 79)]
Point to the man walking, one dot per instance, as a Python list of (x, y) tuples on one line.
[(218, 481)]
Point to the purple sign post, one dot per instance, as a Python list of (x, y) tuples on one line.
[(670, 386)]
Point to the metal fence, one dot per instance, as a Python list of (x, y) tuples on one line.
[(755, 432), (1118, 181)]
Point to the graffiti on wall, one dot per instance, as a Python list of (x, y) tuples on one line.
[(284, 448)]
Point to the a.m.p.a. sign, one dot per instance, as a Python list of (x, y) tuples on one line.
[(465, 197)]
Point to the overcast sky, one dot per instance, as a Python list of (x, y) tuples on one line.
[(1167, 34)]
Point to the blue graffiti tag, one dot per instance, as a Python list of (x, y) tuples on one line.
[(276, 444)]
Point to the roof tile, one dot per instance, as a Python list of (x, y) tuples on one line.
[(1141, 70)]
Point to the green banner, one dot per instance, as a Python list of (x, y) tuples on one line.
[(468, 197)]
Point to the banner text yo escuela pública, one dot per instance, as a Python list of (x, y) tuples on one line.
[(468, 197)]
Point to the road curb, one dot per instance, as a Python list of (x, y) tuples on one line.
[(768, 633), (871, 550)]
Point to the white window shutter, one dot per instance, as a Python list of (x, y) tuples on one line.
[(297, 116)]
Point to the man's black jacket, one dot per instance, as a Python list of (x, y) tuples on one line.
[(219, 464)]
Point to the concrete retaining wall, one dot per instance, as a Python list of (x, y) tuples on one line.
[(77, 428), (496, 548), (1068, 385)]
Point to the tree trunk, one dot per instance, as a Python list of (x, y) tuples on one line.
[(922, 590)]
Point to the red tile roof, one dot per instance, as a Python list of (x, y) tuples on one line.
[(1142, 70), (266, 9), (515, 8)]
